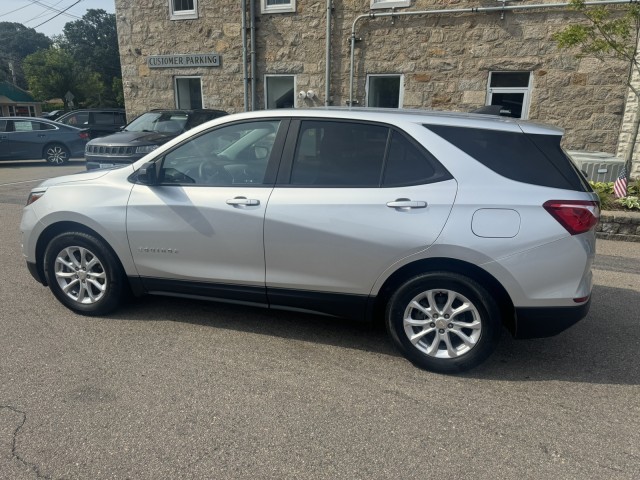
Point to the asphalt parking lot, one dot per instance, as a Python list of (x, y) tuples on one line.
[(168, 388)]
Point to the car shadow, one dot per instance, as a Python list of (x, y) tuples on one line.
[(601, 349)]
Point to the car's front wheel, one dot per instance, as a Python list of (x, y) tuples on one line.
[(83, 273), (56, 154), (443, 322)]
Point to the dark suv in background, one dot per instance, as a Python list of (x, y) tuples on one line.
[(143, 135), (98, 122)]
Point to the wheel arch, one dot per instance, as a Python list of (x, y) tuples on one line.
[(452, 265), (58, 228)]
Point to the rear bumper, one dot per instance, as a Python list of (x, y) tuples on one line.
[(548, 321)]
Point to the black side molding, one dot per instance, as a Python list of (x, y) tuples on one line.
[(548, 321)]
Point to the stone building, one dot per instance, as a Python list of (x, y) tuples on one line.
[(192, 53)]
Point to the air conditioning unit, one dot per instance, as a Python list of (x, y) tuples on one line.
[(597, 166)]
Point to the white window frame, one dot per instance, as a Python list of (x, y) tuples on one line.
[(526, 90), (175, 88), (284, 8), (183, 14), (377, 75), (266, 86), (389, 4)]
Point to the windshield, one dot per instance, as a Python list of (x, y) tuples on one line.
[(158, 122)]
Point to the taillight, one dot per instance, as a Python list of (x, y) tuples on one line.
[(84, 135), (577, 216)]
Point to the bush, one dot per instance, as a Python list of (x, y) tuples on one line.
[(608, 200)]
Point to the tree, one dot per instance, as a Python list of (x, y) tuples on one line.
[(609, 34), (94, 39), (53, 72), (17, 42)]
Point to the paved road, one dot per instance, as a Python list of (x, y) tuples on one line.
[(168, 388)]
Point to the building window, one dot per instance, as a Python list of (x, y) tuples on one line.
[(12, 111), (183, 9), (279, 91), (511, 91), (277, 6), (385, 91), (188, 92), (390, 3)]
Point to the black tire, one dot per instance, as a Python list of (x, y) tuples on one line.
[(432, 330), (94, 278), (56, 154)]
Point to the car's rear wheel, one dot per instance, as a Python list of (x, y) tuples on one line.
[(443, 322), (56, 154), (84, 274)]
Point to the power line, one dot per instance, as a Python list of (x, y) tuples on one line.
[(47, 21), (5, 14), (44, 12), (50, 7)]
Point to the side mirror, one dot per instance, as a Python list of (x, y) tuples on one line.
[(148, 175)]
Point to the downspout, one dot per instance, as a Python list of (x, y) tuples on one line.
[(502, 9), (327, 72), (245, 67), (252, 20)]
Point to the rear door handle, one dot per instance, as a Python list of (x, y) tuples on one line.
[(243, 201), (42, 135), (405, 203)]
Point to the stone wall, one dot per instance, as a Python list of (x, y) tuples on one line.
[(445, 60), (619, 226)]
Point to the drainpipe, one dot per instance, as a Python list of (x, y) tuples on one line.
[(252, 9), (327, 72), (245, 71), (502, 9)]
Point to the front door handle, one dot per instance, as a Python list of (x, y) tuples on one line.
[(244, 201), (405, 203)]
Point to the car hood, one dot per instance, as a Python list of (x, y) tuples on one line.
[(134, 138), (74, 178)]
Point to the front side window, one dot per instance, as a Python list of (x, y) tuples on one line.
[(338, 154), (384, 91), (230, 155), (510, 91), (188, 92), (277, 6), (183, 9), (80, 118), (280, 91)]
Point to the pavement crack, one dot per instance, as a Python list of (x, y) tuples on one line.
[(32, 466)]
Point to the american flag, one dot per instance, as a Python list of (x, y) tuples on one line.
[(620, 185)]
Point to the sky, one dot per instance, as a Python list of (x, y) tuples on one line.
[(32, 13)]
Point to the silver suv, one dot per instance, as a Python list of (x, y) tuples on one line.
[(449, 226)]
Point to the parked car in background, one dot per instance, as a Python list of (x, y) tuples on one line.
[(143, 135), (27, 138), (449, 226), (52, 115), (98, 121)]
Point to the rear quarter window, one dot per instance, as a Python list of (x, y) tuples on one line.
[(527, 158)]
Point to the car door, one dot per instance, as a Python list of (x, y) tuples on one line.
[(5, 147), (28, 138), (199, 230), (352, 199)]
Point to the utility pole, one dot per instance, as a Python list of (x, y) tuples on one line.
[(13, 72)]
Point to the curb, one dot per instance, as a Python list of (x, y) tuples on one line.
[(623, 226)]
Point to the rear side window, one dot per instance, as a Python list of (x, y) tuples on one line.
[(534, 159), (103, 118), (409, 165), (341, 154)]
